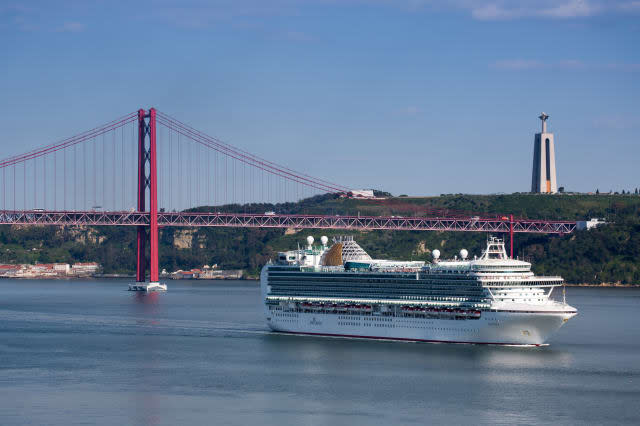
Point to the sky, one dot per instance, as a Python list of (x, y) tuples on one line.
[(407, 96)]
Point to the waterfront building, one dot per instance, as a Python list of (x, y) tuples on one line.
[(85, 268)]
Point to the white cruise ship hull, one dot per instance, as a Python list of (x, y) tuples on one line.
[(491, 300), (497, 328)]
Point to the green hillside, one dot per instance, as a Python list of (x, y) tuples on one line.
[(609, 254)]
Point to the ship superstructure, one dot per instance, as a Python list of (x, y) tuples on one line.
[(341, 291)]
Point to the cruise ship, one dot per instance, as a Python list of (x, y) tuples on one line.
[(341, 291)]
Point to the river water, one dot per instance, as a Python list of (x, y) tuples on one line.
[(74, 352)]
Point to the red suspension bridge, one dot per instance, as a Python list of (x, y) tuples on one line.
[(87, 180)]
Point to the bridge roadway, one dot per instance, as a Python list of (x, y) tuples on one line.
[(250, 220)]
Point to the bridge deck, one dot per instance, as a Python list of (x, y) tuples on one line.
[(248, 220)]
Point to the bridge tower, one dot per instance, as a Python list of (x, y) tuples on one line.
[(147, 179)]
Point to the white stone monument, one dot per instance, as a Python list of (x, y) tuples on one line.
[(543, 177)]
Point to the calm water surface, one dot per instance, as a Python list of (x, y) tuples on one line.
[(90, 352)]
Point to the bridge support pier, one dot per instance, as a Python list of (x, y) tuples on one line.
[(147, 128)]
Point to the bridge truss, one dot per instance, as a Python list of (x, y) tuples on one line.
[(248, 220)]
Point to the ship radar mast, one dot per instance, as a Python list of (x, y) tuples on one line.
[(495, 250)]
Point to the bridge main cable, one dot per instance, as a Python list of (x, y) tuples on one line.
[(247, 157), (65, 143)]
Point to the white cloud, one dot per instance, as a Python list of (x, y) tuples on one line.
[(561, 9), (570, 64), (412, 110), (72, 27), (490, 10), (566, 64), (493, 11), (571, 9), (517, 64), (630, 5), (623, 67), (616, 122)]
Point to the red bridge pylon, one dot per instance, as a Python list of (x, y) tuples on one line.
[(147, 179)]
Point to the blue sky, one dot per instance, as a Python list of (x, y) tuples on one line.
[(409, 96)]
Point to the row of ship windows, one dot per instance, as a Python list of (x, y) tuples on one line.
[(347, 317), (375, 324), (366, 287), (519, 283), (390, 313), (377, 319), (386, 278), (377, 296), (285, 314), (383, 296), (367, 316), (347, 292), (376, 273), (457, 330), (412, 280), (413, 284), (501, 268), (402, 324), (394, 280)]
